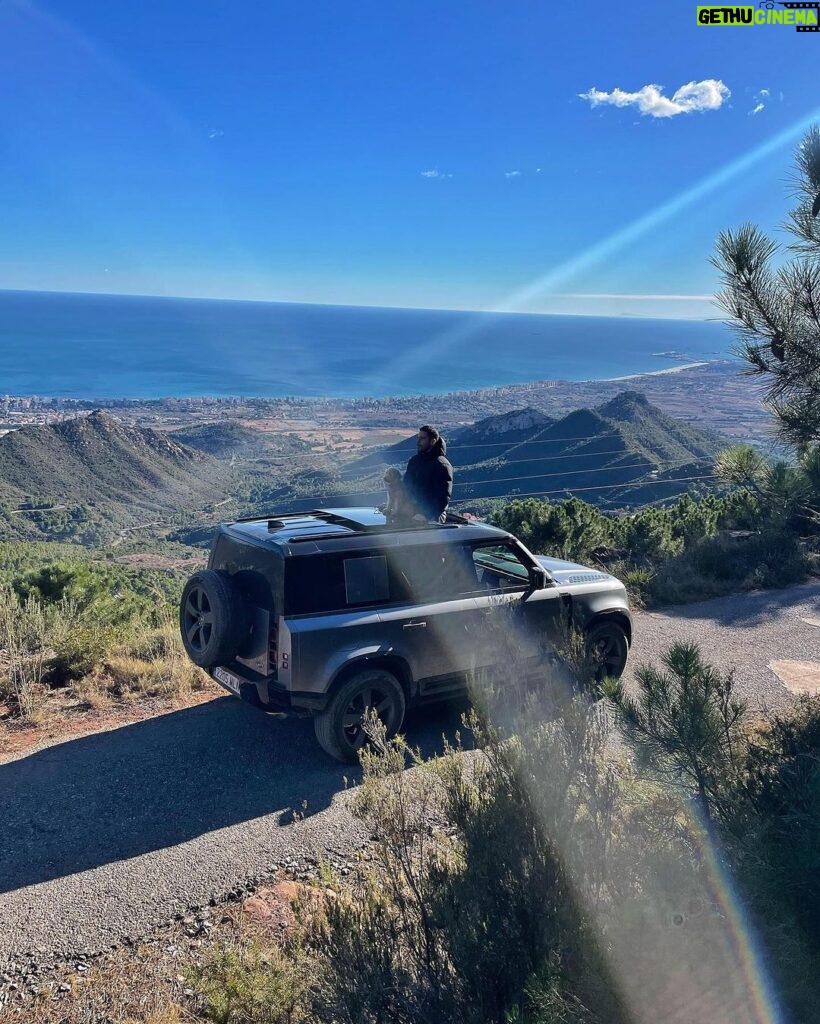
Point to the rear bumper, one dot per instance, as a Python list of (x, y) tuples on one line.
[(267, 694)]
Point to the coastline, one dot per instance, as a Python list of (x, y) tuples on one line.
[(650, 373), (355, 400)]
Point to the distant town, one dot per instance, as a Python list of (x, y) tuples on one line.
[(714, 395)]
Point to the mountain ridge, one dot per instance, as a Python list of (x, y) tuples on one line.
[(117, 473)]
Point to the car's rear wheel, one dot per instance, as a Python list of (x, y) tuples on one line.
[(340, 728), (213, 622), (607, 649)]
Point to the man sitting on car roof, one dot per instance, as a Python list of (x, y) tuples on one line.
[(429, 477)]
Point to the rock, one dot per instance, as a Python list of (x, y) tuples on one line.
[(273, 906)]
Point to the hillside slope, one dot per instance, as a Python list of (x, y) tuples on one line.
[(116, 474), (602, 454), (229, 439), (597, 453)]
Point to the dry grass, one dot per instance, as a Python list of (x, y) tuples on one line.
[(154, 666), (167, 980), (149, 675)]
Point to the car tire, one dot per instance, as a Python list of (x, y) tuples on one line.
[(607, 649), (213, 621), (338, 728)]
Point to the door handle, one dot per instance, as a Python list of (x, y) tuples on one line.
[(414, 625)]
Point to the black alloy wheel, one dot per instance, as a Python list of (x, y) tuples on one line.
[(213, 620), (341, 728), (607, 651), (197, 620)]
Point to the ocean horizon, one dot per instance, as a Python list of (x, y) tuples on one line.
[(94, 346)]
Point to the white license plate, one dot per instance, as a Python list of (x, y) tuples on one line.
[(227, 679)]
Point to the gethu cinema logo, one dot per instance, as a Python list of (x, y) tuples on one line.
[(804, 16)]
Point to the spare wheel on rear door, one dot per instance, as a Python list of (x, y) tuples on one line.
[(213, 619)]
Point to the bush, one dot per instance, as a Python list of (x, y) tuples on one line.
[(251, 984), (782, 787), (685, 724), (472, 916), (24, 630), (569, 529), (759, 791), (722, 564), (545, 879), (80, 650)]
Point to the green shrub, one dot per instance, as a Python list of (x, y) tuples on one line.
[(545, 879), (636, 578), (112, 594), (782, 787), (686, 725), (759, 788), (723, 564), (24, 632), (81, 649), (251, 984), (472, 916), (569, 529)]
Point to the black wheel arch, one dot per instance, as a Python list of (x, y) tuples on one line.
[(391, 663), (615, 616)]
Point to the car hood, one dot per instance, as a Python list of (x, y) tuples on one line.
[(571, 572)]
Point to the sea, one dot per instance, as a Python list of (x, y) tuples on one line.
[(115, 346)]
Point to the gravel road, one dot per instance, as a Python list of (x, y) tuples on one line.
[(108, 835)]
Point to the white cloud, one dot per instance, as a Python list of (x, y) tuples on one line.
[(642, 297), (435, 173), (758, 98), (215, 133), (710, 94), (512, 174)]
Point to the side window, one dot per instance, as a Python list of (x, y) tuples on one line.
[(366, 580), (437, 572), (499, 568), (331, 583)]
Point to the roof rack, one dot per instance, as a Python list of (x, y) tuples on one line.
[(372, 531), (278, 521), (272, 517)]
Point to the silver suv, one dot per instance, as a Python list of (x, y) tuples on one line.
[(334, 612)]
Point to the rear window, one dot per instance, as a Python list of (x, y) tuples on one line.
[(257, 573)]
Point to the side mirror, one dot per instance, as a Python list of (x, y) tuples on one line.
[(538, 577)]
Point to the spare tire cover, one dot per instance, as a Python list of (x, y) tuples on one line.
[(213, 619)]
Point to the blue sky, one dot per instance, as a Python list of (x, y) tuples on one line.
[(421, 154)]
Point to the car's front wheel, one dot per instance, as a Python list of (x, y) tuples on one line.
[(341, 727), (607, 650)]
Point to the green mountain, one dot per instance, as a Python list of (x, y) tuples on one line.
[(103, 476), (600, 454), (625, 452), (466, 445), (232, 440)]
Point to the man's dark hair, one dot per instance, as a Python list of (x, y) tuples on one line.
[(431, 432)]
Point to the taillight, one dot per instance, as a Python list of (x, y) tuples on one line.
[(273, 646)]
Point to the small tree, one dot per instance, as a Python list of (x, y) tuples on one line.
[(788, 495), (687, 725), (776, 309)]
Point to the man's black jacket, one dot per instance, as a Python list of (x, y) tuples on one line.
[(429, 480)]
